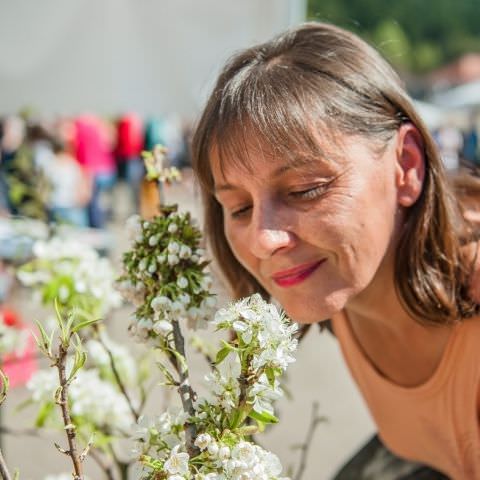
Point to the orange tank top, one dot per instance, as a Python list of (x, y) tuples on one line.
[(436, 423)]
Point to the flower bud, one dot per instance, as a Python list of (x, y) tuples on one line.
[(172, 228), (162, 327), (173, 247), (153, 240), (172, 259), (152, 268)]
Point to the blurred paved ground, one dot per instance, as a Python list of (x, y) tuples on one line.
[(318, 375)]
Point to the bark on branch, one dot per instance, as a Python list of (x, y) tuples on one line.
[(62, 401)]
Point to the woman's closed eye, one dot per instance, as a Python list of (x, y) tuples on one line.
[(240, 212), (310, 193)]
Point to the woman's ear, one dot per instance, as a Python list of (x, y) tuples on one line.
[(410, 165)]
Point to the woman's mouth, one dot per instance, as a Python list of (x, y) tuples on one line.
[(296, 275)]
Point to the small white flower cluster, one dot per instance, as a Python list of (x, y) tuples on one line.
[(222, 460), (242, 461), (265, 348), (164, 275), (243, 384), (157, 436), (13, 340), (73, 273), (260, 326), (93, 401)]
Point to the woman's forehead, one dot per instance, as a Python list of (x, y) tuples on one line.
[(273, 163)]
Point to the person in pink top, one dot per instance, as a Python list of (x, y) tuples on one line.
[(323, 189), (93, 150)]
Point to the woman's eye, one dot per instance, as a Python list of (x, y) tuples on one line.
[(240, 212), (309, 193)]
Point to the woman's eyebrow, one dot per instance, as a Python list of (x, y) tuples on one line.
[(221, 187), (300, 163)]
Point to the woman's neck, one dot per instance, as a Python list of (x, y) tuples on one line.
[(385, 332)]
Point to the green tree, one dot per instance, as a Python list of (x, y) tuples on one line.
[(425, 33)]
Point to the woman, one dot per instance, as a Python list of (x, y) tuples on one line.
[(323, 189)]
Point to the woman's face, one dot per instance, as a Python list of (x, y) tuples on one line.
[(316, 235)]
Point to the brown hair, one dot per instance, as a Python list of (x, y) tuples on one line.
[(323, 76)]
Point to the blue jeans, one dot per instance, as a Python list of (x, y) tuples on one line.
[(98, 209)]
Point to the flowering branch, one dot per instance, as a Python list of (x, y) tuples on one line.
[(61, 399), (68, 329)]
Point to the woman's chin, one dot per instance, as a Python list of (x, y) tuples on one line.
[(315, 311)]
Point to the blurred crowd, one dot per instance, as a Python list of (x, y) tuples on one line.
[(65, 169), (458, 146)]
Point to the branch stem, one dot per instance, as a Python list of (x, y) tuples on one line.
[(67, 421), (187, 395), (119, 381), (102, 463), (4, 469), (315, 420)]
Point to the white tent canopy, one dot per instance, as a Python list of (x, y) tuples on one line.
[(463, 96), (432, 115)]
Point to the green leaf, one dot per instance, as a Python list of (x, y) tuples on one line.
[(60, 323), (43, 414), (270, 372), (263, 417), (222, 354), (166, 373), (84, 324), (45, 345), (247, 430), (79, 362)]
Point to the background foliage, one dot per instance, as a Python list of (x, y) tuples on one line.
[(415, 35)]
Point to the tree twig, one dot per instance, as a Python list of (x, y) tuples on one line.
[(187, 395), (122, 466), (62, 401), (4, 469), (102, 463), (119, 381), (315, 420)]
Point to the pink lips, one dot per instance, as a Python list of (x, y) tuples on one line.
[(296, 275)]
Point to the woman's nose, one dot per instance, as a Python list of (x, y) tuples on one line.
[(269, 234)]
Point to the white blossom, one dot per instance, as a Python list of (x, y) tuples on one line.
[(162, 327), (177, 462), (185, 251), (203, 441)]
